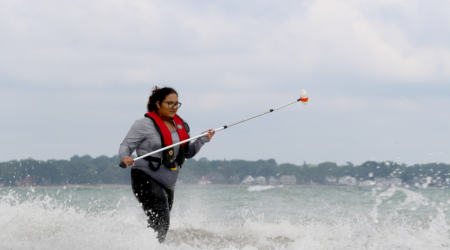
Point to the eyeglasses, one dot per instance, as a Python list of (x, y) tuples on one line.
[(173, 104)]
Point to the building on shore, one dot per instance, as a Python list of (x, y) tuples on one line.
[(273, 181), (366, 183), (386, 182), (312, 183), (28, 181), (330, 180), (204, 181), (422, 182), (288, 179), (234, 179), (248, 180), (347, 180), (216, 178), (261, 180)]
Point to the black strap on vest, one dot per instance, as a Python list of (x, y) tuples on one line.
[(181, 157), (151, 159)]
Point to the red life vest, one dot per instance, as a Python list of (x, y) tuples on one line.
[(166, 134), (166, 139)]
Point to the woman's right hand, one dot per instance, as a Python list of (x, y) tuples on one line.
[(128, 161)]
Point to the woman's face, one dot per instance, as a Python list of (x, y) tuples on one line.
[(169, 107)]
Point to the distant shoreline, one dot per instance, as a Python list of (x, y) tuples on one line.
[(69, 186), (204, 186)]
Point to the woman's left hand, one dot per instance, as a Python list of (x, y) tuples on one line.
[(210, 134)]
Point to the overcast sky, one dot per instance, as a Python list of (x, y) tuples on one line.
[(75, 75)]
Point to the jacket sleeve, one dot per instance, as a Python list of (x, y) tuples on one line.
[(131, 141), (196, 145)]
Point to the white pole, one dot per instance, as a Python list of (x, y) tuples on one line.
[(303, 98)]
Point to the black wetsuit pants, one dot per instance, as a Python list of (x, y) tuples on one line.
[(155, 199)]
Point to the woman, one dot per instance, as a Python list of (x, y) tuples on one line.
[(153, 178)]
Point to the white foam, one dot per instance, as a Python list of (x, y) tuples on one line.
[(31, 221), (258, 188)]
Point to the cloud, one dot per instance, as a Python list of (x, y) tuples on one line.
[(104, 43), (75, 75)]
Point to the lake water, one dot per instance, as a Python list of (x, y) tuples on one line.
[(255, 217)]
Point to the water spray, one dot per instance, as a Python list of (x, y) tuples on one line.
[(303, 98)]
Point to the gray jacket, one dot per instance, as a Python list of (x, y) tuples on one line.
[(144, 138)]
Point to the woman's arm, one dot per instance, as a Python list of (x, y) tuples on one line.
[(195, 146), (134, 137)]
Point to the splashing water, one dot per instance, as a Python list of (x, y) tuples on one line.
[(261, 217), (260, 188)]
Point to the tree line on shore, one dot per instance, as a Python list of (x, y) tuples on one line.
[(103, 169)]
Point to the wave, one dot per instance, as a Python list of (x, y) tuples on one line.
[(261, 188), (31, 221)]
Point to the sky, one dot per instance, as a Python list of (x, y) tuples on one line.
[(75, 75)]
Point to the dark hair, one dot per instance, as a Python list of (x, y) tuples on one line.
[(158, 95)]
